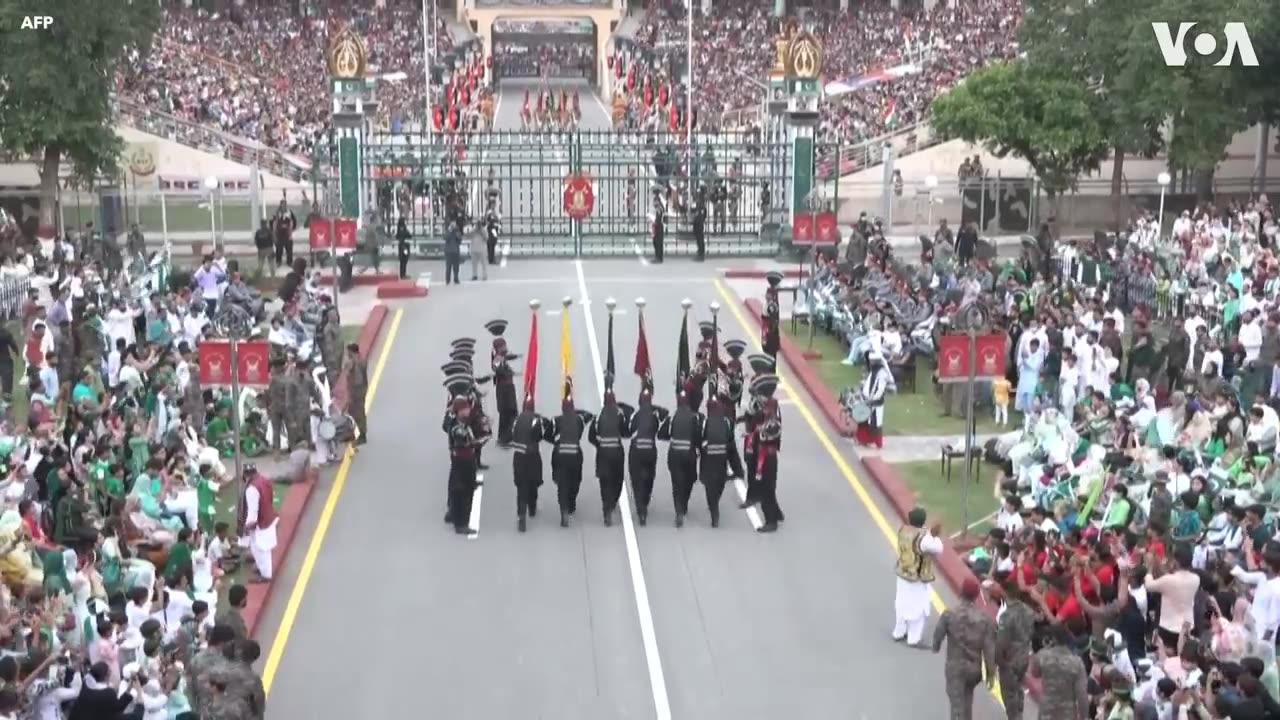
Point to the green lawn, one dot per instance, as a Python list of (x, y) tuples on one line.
[(186, 215), (945, 502), (906, 413)]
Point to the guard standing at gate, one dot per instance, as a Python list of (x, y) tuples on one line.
[(462, 454), (642, 461), (529, 431), (772, 340), (752, 418), (492, 229), (719, 196), (719, 455), (504, 387), (768, 444), (659, 228), (700, 223), (566, 458), (607, 431), (683, 430)]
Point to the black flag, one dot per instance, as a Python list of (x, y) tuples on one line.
[(682, 357), (610, 370)]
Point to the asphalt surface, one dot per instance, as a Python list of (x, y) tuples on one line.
[(590, 622)]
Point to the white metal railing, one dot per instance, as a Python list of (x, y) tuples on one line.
[(207, 139)]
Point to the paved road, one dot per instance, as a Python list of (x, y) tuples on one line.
[(590, 622)]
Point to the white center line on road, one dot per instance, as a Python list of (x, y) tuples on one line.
[(657, 682), (506, 251), (476, 497), (635, 245), (753, 512)]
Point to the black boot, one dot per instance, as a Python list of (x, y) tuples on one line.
[(463, 531), (564, 519), (608, 519), (679, 520), (768, 527), (715, 518), (520, 524), (533, 509), (746, 504), (643, 516)]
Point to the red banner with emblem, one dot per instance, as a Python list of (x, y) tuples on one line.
[(802, 229), (344, 230), (825, 228), (321, 233), (953, 357), (252, 360)]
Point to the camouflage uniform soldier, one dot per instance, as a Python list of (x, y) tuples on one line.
[(1013, 651), (971, 643), (244, 684), (193, 397), (331, 347), (1065, 693), (89, 339), (224, 702), (277, 398), (205, 665), (301, 391)]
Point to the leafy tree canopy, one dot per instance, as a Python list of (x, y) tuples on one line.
[(56, 83), (1017, 108)]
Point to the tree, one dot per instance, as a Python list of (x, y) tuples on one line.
[(55, 86), (1043, 117), (1090, 39)]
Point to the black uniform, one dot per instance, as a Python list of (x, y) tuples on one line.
[(480, 426), (700, 225), (751, 419), (768, 444), (462, 473), (607, 433), (566, 461), (642, 461), (491, 227), (504, 388), (772, 340), (529, 431), (719, 456), (683, 430), (659, 230)]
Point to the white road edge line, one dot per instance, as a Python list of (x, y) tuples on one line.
[(476, 497), (635, 245), (753, 512), (648, 636)]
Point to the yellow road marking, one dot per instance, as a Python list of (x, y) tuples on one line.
[(322, 527), (734, 304)]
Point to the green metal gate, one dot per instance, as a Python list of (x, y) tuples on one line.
[(744, 177)]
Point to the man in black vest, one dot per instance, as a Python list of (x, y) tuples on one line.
[(719, 455), (771, 339), (606, 433), (529, 431), (752, 416), (503, 381), (682, 429), (642, 461), (566, 458)]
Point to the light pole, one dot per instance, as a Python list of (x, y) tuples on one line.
[(235, 323), (1164, 179), (930, 182), (211, 185)]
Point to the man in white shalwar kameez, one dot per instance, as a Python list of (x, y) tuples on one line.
[(260, 522), (917, 548)]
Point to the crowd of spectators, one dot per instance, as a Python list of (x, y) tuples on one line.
[(257, 71), (737, 40), (1139, 477)]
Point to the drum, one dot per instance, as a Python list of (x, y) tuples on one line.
[(327, 430), (860, 411)]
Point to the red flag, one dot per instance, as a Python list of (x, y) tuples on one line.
[(531, 358), (642, 366)]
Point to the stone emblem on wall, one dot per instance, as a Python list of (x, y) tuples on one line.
[(804, 57)]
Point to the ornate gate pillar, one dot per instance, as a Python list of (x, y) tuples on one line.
[(802, 70), (354, 108)]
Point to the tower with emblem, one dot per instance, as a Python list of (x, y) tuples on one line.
[(801, 82), (355, 108)]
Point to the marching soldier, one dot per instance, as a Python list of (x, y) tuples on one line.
[(530, 430), (719, 455), (704, 365), (752, 418), (772, 341), (736, 380), (970, 635), (566, 458), (462, 454), (767, 445), (607, 431), (504, 387), (682, 429), (642, 461)]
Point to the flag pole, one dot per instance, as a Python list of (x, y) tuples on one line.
[(682, 365), (713, 374), (642, 366), (609, 369), (531, 358), (566, 349)]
